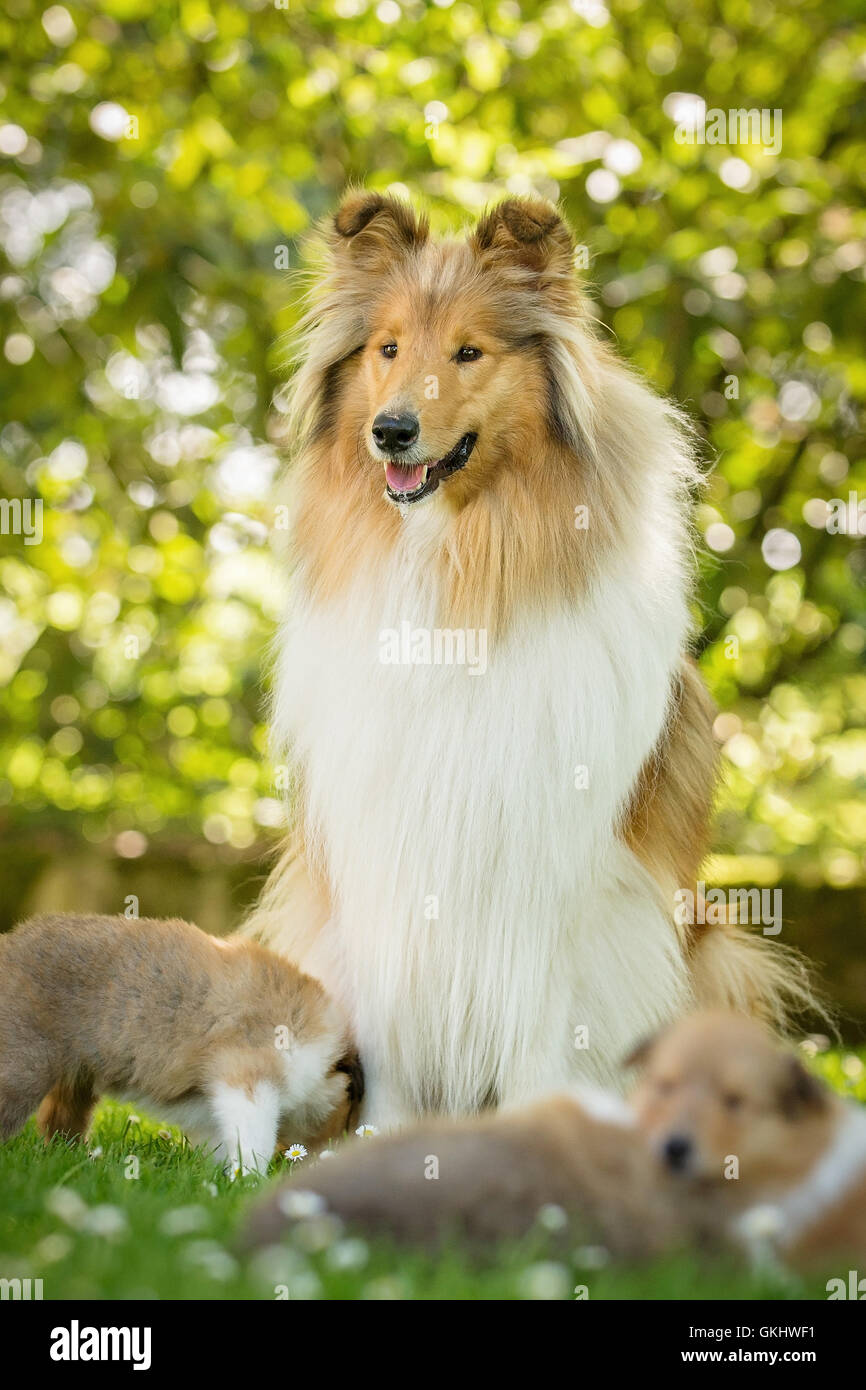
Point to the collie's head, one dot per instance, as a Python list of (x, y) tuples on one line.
[(464, 376)]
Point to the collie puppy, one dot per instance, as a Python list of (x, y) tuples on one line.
[(574, 1166), (224, 1039), (505, 762), (727, 1143), (742, 1122)]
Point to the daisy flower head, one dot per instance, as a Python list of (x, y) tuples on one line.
[(300, 1205), (761, 1223), (295, 1152), (366, 1131)]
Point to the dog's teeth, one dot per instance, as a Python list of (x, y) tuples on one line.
[(424, 476)]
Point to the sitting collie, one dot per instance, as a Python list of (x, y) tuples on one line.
[(505, 761)]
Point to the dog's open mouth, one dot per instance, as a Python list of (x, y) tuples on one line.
[(411, 484)]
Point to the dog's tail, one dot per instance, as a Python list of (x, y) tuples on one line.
[(733, 968)]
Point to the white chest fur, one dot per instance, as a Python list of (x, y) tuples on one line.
[(485, 912)]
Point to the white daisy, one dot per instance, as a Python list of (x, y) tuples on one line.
[(366, 1131), (184, 1221), (66, 1203), (295, 1152), (761, 1223), (552, 1217), (106, 1221), (300, 1204)]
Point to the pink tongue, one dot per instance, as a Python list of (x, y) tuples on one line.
[(404, 479)]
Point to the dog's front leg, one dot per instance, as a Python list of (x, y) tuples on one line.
[(384, 1108), (245, 1122)]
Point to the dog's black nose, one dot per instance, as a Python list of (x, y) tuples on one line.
[(394, 433), (677, 1151)]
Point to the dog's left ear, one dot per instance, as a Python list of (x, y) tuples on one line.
[(801, 1091), (527, 232), (640, 1054)]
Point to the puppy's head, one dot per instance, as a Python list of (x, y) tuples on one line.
[(719, 1087)]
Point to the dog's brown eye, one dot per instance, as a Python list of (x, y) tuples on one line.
[(468, 354), (733, 1102), (389, 350)]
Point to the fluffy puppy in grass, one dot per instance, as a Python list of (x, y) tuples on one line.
[(222, 1038), (727, 1143), (577, 1155), (739, 1120)]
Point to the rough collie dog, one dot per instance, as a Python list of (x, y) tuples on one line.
[(505, 763)]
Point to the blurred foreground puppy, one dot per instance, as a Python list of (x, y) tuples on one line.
[(739, 1119), (224, 1039), (490, 1179), (728, 1143)]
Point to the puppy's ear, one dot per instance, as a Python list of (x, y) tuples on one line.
[(527, 232), (801, 1091), (350, 1064), (374, 230), (640, 1055)]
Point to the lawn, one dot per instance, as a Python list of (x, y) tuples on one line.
[(137, 1214)]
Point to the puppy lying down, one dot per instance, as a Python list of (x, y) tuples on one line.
[(490, 1179), (728, 1140), (223, 1038)]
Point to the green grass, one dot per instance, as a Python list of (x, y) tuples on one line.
[(77, 1218)]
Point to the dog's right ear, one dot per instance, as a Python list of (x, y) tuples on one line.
[(801, 1091), (374, 230), (639, 1055)]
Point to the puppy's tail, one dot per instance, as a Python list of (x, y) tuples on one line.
[(732, 968)]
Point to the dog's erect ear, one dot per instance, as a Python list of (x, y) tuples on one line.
[(639, 1055), (801, 1091), (374, 229), (527, 232)]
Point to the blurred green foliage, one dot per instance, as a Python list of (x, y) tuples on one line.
[(158, 164)]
